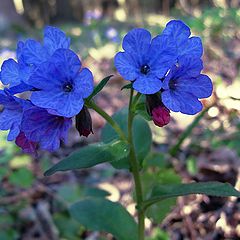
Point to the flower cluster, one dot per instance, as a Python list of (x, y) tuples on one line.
[(58, 85), (168, 65)]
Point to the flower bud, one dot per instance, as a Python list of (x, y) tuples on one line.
[(26, 145), (161, 116), (156, 109), (84, 122)]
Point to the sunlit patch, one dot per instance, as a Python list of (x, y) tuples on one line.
[(213, 112), (115, 195), (76, 31)]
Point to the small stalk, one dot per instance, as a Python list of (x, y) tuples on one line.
[(135, 171), (109, 119)]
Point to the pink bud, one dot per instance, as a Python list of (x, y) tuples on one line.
[(161, 116), (26, 145)]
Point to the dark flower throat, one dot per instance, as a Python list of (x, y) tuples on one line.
[(145, 69), (68, 87)]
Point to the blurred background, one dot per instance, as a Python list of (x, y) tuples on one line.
[(206, 146)]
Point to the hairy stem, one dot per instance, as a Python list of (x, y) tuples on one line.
[(108, 118), (135, 171)]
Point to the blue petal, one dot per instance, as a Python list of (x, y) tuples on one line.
[(13, 132), (66, 61), (54, 39), (170, 100), (11, 116), (10, 73), (189, 66), (178, 30), (137, 41), (193, 46), (63, 65), (44, 77), (22, 87), (147, 84), (44, 128), (20, 46), (34, 53), (126, 65), (67, 105), (181, 102), (83, 83), (162, 55), (200, 86)]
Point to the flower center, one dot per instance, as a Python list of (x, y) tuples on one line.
[(172, 84), (145, 69), (68, 87)]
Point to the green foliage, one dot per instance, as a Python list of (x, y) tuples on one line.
[(159, 211), (127, 86), (21, 177), (69, 228), (71, 193), (142, 137), (141, 108), (163, 197), (217, 189), (192, 165), (103, 215), (99, 87), (156, 159), (90, 156)]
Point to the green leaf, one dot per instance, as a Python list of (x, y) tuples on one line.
[(142, 136), (141, 108), (68, 227), (99, 87), (100, 214), (217, 189), (90, 156), (159, 211), (156, 159), (127, 86)]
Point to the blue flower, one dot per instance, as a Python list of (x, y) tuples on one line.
[(11, 116), (58, 85), (61, 84), (39, 126), (34, 53), (31, 54), (144, 60), (185, 45), (184, 85)]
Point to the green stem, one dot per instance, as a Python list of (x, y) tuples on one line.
[(135, 100), (135, 170), (108, 118)]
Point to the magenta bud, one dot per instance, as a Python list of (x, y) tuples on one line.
[(26, 145), (161, 116), (84, 122), (156, 109)]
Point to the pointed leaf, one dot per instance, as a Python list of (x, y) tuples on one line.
[(127, 86), (91, 155), (99, 87), (100, 214), (142, 136), (217, 189)]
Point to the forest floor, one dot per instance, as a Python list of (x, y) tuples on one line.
[(35, 207)]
